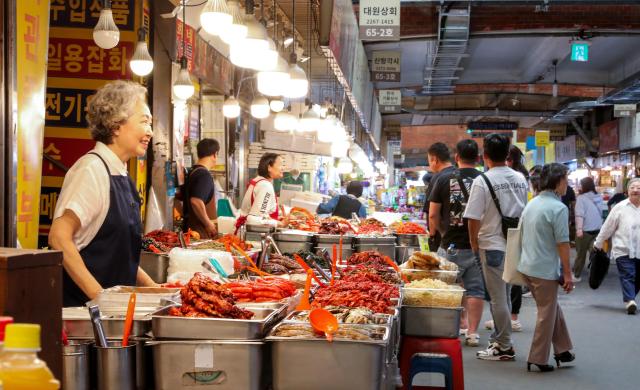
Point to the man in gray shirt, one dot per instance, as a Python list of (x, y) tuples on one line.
[(485, 215)]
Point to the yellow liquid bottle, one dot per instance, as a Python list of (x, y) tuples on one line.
[(20, 368)]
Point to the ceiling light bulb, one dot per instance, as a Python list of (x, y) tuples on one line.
[(141, 63), (276, 81), (298, 84), (231, 108), (216, 17), (284, 121), (106, 34), (554, 89), (183, 87), (310, 121), (268, 58), (288, 41), (345, 165), (276, 104), (237, 30), (340, 148), (260, 107)]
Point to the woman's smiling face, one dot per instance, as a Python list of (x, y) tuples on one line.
[(134, 135)]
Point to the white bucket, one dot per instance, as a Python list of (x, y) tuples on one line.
[(226, 225)]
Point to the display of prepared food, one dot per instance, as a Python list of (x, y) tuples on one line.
[(302, 219), (408, 228), (320, 260), (166, 238), (336, 226), (203, 297), (371, 226), (118, 296), (373, 258), (215, 245), (347, 315), (449, 277), (374, 274), (344, 332), (261, 290), (231, 241), (372, 295), (429, 261), (432, 293), (281, 265)]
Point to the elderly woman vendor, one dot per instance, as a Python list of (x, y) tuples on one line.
[(97, 221)]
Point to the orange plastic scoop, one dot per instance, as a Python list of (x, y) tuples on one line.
[(304, 301), (395, 267), (128, 322), (323, 321)]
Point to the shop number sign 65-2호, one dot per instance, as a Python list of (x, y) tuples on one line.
[(380, 20), (385, 66)]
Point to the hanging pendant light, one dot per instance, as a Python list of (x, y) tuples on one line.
[(276, 104), (345, 166), (267, 59), (274, 82), (183, 87), (231, 107), (106, 34), (285, 121), (298, 85), (260, 107), (340, 148), (246, 52), (141, 63), (310, 120), (237, 31), (216, 17)]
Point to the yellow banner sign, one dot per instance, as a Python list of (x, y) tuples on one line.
[(32, 21), (543, 137)]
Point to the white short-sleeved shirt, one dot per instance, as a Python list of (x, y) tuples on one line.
[(511, 189), (85, 191), (623, 225)]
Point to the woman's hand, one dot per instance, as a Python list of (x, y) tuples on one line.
[(579, 233), (568, 286)]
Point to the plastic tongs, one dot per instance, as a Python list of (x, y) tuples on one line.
[(214, 266), (98, 329), (309, 260), (183, 243), (325, 253)]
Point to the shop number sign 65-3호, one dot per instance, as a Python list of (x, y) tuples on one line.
[(380, 20)]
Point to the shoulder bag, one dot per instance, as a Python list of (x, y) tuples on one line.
[(507, 222), (512, 257)]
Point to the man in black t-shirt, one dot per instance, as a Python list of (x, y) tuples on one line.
[(449, 198), (199, 200), (439, 163)]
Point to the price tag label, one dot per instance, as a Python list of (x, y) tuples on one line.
[(423, 240)]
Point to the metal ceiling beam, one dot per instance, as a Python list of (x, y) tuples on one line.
[(490, 113)]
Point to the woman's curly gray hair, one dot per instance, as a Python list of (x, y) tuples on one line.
[(111, 106)]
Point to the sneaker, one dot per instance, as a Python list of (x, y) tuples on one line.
[(472, 340), (631, 307), (464, 332), (496, 354), (516, 326), (576, 279), (527, 295)]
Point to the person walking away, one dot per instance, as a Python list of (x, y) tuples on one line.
[(623, 226), (569, 200), (589, 207), (200, 201), (344, 205), (448, 202), (500, 193), (545, 248), (439, 159)]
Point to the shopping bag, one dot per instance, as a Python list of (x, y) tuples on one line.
[(513, 253), (598, 267)]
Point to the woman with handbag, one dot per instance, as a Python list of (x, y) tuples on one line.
[(623, 225), (545, 247)]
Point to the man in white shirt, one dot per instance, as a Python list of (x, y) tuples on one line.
[(486, 235), (623, 224)]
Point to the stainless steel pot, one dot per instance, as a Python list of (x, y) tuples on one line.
[(75, 365)]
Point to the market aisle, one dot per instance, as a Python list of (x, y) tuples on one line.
[(604, 337)]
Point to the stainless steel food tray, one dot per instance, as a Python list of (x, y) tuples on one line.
[(381, 319), (407, 239), (77, 323), (430, 321), (340, 365), (168, 327), (146, 296), (293, 236), (206, 364), (155, 265), (334, 239), (374, 240)]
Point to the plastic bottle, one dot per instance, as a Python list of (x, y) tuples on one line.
[(20, 368)]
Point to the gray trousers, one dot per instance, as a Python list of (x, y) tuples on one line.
[(583, 246), (500, 294)]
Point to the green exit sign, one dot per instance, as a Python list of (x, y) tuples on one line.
[(580, 52)]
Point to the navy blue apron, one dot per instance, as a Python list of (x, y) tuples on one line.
[(112, 257)]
